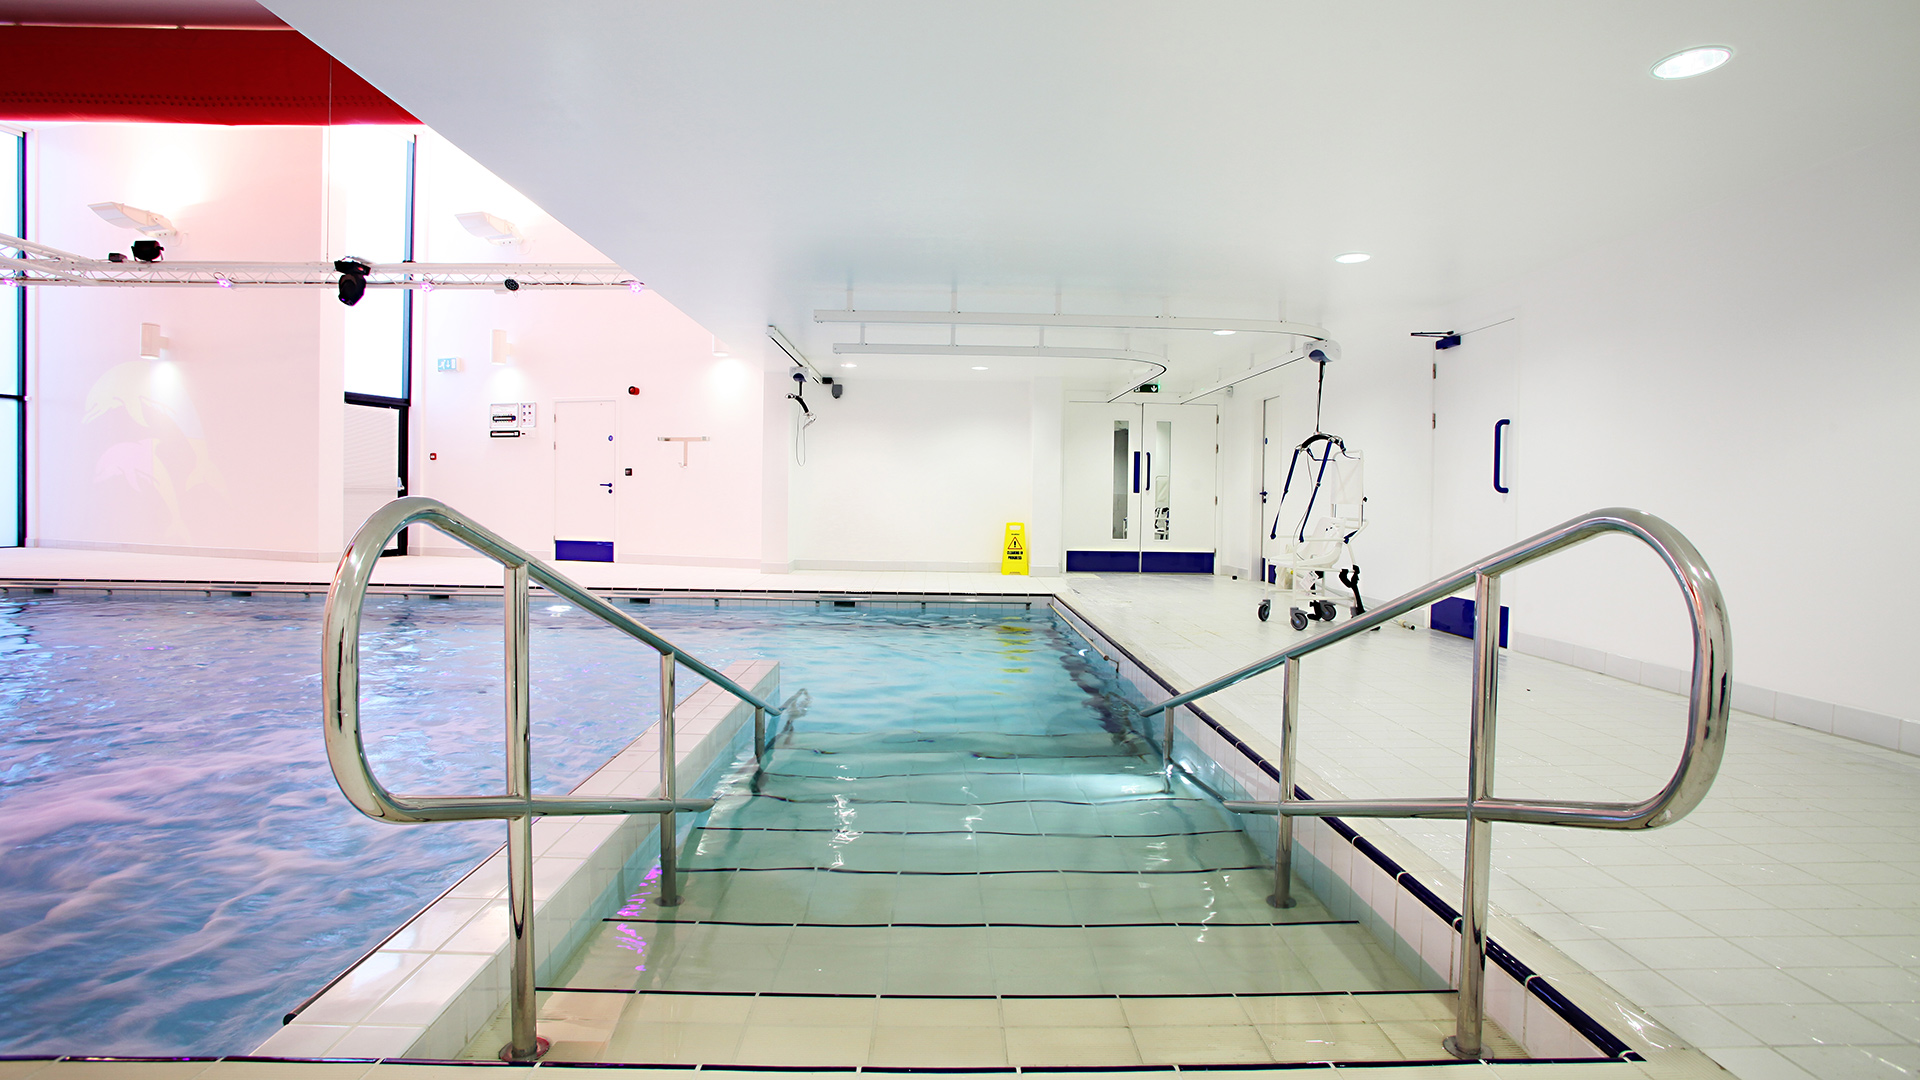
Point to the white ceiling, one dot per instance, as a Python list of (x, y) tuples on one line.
[(752, 159)]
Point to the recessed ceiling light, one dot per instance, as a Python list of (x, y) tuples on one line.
[(1223, 333), (1352, 257), (1687, 63), (848, 363), (979, 367)]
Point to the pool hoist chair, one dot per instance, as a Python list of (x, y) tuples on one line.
[(1320, 539)]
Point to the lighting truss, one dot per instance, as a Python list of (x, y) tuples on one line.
[(23, 262)]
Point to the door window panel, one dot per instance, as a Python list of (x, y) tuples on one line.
[(1122, 477)]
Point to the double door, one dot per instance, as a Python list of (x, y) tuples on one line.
[(1141, 485)]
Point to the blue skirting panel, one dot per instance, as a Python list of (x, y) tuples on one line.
[(1454, 615), (1103, 562), (583, 550), (1176, 562), (1135, 562)]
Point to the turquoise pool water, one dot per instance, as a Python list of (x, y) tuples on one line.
[(181, 869)]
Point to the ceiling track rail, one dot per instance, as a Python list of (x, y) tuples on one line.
[(23, 262)]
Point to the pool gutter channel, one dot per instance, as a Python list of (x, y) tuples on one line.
[(435, 982), (1354, 877)]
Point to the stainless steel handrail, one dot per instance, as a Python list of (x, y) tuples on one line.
[(1707, 705), (347, 754)]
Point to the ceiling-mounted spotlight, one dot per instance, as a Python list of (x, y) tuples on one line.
[(489, 228), (147, 250), (1223, 333), (1352, 257), (512, 285), (1687, 63), (131, 217), (353, 279), (636, 287)]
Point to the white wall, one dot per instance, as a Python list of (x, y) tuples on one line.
[(914, 475), (580, 347), (217, 447), (1749, 371)]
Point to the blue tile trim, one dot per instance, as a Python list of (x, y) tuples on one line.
[(1103, 562), (583, 550), (1176, 562)]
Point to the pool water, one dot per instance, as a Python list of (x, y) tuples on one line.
[(181, 869)]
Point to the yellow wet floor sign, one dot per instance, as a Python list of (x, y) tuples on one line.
[(1013, 553)]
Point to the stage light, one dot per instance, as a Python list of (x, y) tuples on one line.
[(353, 279)]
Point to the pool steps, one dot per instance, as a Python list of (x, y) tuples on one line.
[(442, 976), (1367, 877)]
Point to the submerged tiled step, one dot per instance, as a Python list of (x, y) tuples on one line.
[(987, 960), (1045, 897), (1064, 744), (1083, 1032), (964, 789), (850, 810), (959, 852)]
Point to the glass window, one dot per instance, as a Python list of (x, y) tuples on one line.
[(13, 350), (12, 413), (369, 181), (1124, 482), (1160, 474), (374, 332)]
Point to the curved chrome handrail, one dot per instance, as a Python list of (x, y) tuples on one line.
[(1707, 706), (340, 668), (347, 753)]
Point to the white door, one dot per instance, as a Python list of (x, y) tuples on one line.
[(1477, 471), (1180, 461), (1101, 501), (1140, 484), (1475, 438), (585, 461), (1276, 457)]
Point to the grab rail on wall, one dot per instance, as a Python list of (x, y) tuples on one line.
[(1707, 706), (347, 754)]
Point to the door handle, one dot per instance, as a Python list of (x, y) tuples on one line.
[(1136, 472), (1499, 427)]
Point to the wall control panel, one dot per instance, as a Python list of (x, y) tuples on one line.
[(510, 420)]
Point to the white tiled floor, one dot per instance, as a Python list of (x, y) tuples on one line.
[(1777, 927)]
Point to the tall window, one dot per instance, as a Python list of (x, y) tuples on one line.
[(372, 172), (13, 349)]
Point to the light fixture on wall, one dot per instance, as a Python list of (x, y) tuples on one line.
[(132, 217), (1352, 257), (489, 228), (502, 348), (719, 350), (1687, 63), (1223, 333), (150, 341)]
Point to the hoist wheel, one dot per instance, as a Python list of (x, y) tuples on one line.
[(1266, 609), (1299, 619)]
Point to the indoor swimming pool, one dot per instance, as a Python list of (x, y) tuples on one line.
[(182, 869)]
